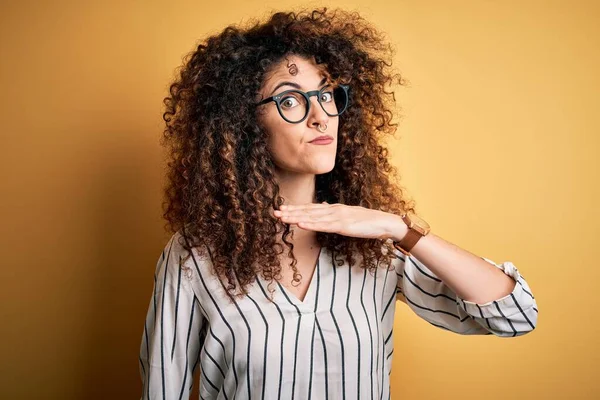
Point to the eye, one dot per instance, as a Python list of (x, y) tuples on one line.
[(289, 101), (326, 96)]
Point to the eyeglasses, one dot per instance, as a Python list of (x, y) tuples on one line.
[(294, 105)]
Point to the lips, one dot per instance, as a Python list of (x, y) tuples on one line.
[(322, 139)]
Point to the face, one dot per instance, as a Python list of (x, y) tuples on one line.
[(289, 143)]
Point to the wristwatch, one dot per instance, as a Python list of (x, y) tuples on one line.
[(417, 228)]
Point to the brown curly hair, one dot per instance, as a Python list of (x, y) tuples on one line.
[(220, 175)]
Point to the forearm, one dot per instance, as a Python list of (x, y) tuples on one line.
[(468, 275)]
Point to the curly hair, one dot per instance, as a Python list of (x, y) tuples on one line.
[(220, 175)]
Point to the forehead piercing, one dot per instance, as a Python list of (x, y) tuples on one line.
[(293, 69)]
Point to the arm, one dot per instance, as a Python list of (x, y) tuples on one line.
[(170, 346), (431, 299), (459, 291)]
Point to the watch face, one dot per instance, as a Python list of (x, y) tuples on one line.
[(419, 224)]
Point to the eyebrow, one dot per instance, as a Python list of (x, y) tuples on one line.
[(293, 84)]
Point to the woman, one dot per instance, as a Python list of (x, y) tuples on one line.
[(275, 135)]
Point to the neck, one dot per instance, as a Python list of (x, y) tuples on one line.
[(298, 189)]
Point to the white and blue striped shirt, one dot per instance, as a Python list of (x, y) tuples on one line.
[(335, 344)]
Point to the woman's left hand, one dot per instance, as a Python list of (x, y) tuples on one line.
[(345, 220)]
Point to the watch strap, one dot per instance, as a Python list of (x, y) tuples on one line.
[(410, 239)]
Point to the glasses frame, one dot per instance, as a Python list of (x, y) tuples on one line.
[(307, 95)]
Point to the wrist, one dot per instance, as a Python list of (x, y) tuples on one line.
[(397, 228)]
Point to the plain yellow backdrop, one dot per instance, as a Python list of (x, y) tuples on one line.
[(498, 144)]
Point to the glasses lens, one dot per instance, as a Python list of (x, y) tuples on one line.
[(333, 99), (293, 106)]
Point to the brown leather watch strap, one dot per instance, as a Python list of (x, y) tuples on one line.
[(408, 241)]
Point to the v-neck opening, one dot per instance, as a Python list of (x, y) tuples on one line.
[(309, 292)]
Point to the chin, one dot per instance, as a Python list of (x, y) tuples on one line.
[(324, 167)]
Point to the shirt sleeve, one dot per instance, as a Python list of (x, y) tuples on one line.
[(512, 315), (170, 345)]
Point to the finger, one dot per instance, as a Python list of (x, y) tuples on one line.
[(294, 219), (312, 218), (316, 226), (304, 206), (309, 214)]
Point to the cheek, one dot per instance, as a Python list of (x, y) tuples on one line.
[(281, 135), (285, 142)]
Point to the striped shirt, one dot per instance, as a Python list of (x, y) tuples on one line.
[(335, 344)]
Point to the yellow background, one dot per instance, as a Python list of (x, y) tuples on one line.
[(498, 146)]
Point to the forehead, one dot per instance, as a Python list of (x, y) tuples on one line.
[(296, 68)]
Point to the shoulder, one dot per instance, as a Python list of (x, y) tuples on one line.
[(177, 262)]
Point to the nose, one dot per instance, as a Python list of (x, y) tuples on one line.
[(317, 116)]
